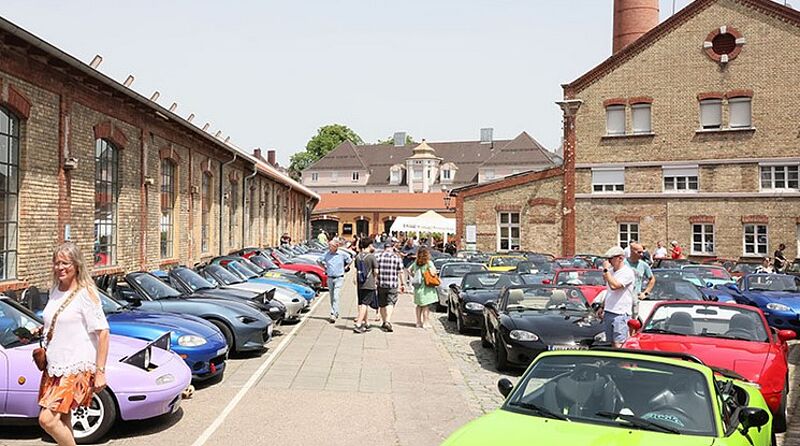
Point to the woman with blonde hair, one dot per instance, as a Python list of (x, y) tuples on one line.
[(424, 295), (76, 338)]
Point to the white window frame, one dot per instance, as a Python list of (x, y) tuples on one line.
[(394, 176), (628, 231), (743, 105), (612, 117), (772, 171), (706, 233), (509, 225), (755, 244), (608, 180), (446, 175), (681, 179), (642, 118), (334, 176), (488, 174), (707, 122), (355, 176), (314, 177)]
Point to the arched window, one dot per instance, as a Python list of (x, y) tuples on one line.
[(9, 193), (233, 203), (205, 206), (167, 208), (106, 193)]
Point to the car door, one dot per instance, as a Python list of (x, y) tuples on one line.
[(19, 382)]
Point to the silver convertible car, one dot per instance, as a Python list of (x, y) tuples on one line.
[(452, 273)]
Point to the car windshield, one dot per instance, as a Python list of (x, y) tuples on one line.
[(541, 266), (707, 320), (679, 274), (14, 321), (240, 270), (794, 267), (281, 256), (505, 261), (671, 289), (545, 298), (459, 269), (263, 262), (772, 282), (110, 305), (222, 275), (627, 392), (250, 265), (710, 273), (489, 281), (577, 278), (745, 268), (193, 280), (573, 263), (439, 263), (155, 288)]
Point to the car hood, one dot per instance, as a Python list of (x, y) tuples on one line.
[(790, 299), (480, 296), (557, 327), (743, 357), (512, 429), (151, 325)]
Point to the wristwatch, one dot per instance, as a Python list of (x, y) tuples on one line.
[(100, 369)]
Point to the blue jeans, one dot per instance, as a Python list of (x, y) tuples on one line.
[(335, 289)]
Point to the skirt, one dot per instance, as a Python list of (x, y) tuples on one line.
[(62, 394)]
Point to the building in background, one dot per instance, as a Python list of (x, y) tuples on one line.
[(688, 131)]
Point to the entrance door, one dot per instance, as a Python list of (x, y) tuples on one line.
[(362, 227), (331, 227), (387, 225)]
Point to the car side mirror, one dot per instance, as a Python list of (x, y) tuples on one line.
[(709, 285), (634, 324), (786, 335), (546, 282), (505, 386), (750, 417)]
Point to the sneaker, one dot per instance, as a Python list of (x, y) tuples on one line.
[(332, 319), (359, 329), (387, 326)]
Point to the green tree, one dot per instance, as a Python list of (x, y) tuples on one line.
[(326, 139), (390, 140)]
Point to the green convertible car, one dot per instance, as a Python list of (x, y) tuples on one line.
[(623, 397)]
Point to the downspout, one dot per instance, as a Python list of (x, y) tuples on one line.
[(221, 178), (245, 193)]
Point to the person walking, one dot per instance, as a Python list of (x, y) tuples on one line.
[(390, 280), (76, 338), (620, 280), (366, 272), (765, 267), (335, 264), (322, 237), (661, 251), (642, 273), (779, 262), (424, 295)]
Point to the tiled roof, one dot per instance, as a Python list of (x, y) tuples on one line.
[(344, 156), (377, 202)]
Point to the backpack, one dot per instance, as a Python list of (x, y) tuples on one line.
[(361, 266)]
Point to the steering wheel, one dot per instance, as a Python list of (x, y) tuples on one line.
[(739, 333), (8, 335), (663, 413)]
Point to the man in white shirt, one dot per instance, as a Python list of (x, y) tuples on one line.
[(661, 251), (620, 280)]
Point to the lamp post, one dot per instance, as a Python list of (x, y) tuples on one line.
[(447, 199)]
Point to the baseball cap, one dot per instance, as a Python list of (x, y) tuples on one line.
[(614, 252)]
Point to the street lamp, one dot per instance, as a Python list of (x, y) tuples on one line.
[(447, 199)]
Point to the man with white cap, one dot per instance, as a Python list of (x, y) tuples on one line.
[(620, 280)]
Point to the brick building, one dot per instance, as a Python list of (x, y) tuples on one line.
[(687, 132), (85, 157)]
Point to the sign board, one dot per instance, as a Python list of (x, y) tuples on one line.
[(471, 234), (347, 228)]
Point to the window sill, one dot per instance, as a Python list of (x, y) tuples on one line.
[(13, 285), (168, 262), (107, 271), (629, 135), (608, 193), (779, 191), (703, 254), (726, 130), (680, 191)]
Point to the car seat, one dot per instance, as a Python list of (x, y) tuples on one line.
[(686, 394), (681, 322), (742, 326), (558, 298), (515, 296), (584, 392)]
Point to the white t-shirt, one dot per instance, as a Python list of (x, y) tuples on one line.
[(620, 301), (660, 253), (74, 345)]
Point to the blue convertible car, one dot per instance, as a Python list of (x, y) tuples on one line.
[(777, 295)]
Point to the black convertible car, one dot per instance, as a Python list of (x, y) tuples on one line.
[(465, 303), (531, 319)]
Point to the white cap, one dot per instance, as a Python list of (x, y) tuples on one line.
[(614, 252)]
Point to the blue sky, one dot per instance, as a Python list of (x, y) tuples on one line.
[(270, 73)]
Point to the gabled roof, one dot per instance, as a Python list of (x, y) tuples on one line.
[(344, 156), (523, 147), (768, 7)]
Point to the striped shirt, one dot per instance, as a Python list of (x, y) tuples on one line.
[(389, 266)]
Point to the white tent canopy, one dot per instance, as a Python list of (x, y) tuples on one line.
[(427, 222)]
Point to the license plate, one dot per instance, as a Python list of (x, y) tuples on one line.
[(567, 347), (221, 351)]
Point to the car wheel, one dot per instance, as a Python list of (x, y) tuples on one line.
[(779, 422), (226, 333), (460, 322), (500, 354), (450, 316), (91, 423), (484, 340)]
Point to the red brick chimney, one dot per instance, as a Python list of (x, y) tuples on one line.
[(271, 157), (633, 18)]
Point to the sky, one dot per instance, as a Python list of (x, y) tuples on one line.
[(270, 73)]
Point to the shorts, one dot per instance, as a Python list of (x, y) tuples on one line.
[(387, 296), (366, 297), (616, 327)]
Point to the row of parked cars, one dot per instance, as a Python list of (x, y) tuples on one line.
[(168, 329), (707, 357)]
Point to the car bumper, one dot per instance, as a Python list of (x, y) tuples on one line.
[(294, 307), (205, 361), (783, 320), (253, 338), (166, 399), (773, 401), (521, 354), (472, 319)]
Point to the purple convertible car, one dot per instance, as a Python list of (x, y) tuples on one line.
[(144, 379)]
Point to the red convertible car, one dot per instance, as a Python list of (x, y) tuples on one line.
[(725, 335), (284, 262), (589, 281)]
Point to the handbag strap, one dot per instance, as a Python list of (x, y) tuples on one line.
[(49, 336)]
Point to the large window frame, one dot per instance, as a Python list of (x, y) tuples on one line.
[(9, 193), (703, 239), (508, 224), (774, 177), (681, 179), (615, 120), (642, 118), (611, 180), (106, 202), (167, 223), (711, 114), (627, 233), (206, 188), (755, 240)]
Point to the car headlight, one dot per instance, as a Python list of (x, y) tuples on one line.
[(274, 310), (191, 341), (165, 379), (247, 319), (600, 337), (777, 307), (473, 306), (522, 335)]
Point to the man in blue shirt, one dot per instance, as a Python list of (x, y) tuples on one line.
[(335, 264), (643, 273)]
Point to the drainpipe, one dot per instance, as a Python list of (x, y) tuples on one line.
[(245, 193), (221, 178)]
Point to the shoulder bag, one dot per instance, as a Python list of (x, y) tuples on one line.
[(40, 353), (431, 279)]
